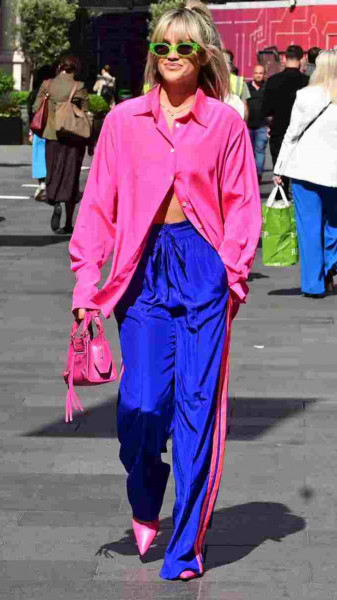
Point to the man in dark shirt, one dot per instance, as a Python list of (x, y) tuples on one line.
[(256, 121), (279, 97)]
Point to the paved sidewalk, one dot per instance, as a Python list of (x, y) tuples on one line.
[(64, 518)]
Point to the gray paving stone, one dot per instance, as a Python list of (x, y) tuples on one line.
[(119, 590), (99, 518), (61, 543), (13, 572)]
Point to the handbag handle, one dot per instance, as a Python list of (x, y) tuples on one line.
[(90, 315), (271, 199)]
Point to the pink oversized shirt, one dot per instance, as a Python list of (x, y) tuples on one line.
[(207, 158)]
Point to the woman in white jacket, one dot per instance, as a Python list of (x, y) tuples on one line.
[(309, 157)]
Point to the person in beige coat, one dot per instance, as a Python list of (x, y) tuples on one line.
[(63, 157)]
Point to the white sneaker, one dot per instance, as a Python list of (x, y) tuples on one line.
[(37, 191), (40, 192)]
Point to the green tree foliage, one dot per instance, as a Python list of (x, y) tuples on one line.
[(97, 105), (43, 29), (158, 8), (6, 82)]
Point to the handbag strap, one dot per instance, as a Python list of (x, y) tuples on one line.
[(72, 93), (90, 315), (314, 120)]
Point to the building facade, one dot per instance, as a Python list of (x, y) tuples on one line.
[(247, 28), (11, 60)]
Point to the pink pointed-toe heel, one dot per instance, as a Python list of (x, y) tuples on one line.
[(186, 575), (145, 534)]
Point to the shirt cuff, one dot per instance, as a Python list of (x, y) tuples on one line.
[(84, 304), (239, 291)]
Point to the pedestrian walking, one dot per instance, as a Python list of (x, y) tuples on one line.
[(105, 85), (64, 157), (311, 56), (238, 86), (173, 192), (39, 167), (256, 120), (309, 156), (279, 97)]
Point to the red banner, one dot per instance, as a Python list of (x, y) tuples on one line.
[(246, 31)]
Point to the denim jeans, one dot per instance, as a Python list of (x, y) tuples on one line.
[(259, 142)]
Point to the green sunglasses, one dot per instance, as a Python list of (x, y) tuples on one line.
[(183, 49)]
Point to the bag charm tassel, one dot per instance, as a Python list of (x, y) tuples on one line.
[(89, 362), (72, 401)]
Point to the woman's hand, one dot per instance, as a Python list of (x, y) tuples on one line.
[(277, 180), (79, 314)]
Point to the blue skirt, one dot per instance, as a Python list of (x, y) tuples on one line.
[(39, 169)]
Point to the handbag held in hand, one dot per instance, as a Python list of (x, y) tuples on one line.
[(279, 236), (89, 361), (40, 118)]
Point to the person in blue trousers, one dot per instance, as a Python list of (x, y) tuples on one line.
[(173, 192), (309, 157)]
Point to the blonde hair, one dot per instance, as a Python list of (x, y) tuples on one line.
[(194, 22), (325, 73)]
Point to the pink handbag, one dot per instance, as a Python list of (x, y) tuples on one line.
[(89, 361)]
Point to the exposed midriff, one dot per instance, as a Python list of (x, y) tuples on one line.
[(170, 210)]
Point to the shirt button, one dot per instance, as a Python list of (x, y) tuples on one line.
[(177, 124), (172, 149), (199, 226), (184, 204)]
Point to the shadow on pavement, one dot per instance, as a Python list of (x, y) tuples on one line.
[(265, 414), (253, 276), (95, 422), (236, 531), (15, 165), (286, 292), (32, 241), (100, 421)]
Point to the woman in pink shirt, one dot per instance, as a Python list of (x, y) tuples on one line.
[(173, 193)]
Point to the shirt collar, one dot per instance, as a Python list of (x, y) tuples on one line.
[(151, 104)]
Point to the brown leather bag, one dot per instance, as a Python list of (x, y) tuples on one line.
[(39, 120), (71, 122)]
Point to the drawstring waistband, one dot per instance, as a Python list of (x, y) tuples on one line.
[(177, 230)]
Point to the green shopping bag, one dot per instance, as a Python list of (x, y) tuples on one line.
[(279, 237)]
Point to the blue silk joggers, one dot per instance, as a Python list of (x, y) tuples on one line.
[(173, 323)]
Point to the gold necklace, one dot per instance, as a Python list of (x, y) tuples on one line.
[(172, 114)]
